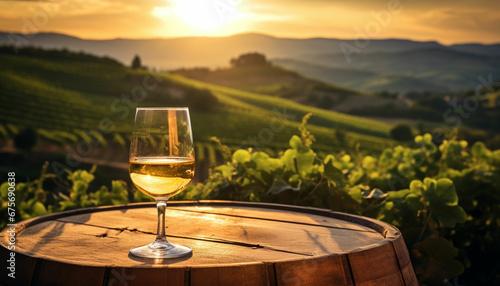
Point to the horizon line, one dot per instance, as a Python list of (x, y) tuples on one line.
[(247, 33)]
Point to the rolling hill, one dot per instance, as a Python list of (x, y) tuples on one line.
[(269, 79), (60, 94), (171, 53), (368, 81), (398, 64), (441, 67)]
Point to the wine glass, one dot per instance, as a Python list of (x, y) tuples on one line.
[(161, 166)]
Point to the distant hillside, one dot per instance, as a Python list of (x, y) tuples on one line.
[(211, 51), (435, 68), (363, 80), (69, 92), (399, 64), (173, 53), (268, 79), (479, 49)]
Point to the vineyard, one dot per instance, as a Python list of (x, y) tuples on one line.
[(65, 97), (444, 198), (321, 117)]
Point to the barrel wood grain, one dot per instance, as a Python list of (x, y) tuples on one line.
[(234, 243)]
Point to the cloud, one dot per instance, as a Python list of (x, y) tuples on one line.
[(447, 21), (472, 19)]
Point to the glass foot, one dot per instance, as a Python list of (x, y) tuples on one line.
[(162, 249)]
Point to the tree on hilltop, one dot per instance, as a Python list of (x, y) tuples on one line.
[(250, 59), (402, 132), (136, 62)]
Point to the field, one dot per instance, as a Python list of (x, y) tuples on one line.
[(439, 196), (63, 95)]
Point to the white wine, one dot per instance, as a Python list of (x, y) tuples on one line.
[(161, 177), (161, 166)]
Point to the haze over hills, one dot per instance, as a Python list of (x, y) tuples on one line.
[(392, 64), (266, 78), (421, 69), (206, 51), (358, 79)]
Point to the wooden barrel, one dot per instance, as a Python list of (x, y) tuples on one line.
[(234, 243)]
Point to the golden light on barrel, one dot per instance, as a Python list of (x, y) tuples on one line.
[(234, 243)]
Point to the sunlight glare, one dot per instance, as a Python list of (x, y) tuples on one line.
[(206, 15), (161, 12)]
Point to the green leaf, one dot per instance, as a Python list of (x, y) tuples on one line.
[(414, 201), (81, 175), (118, 187), (479, 150), (417, 187), (274, 165), (295, 142), (430, 184), (398, 196), (141, 197), (22, 191), (445, 190), (449, 216), (241, 156), (303, 161), (4, 190), (279, 185), (369, 163), (356, 177), (288, 159), (356, 193), (435, 260), (102, 196), (225, 170), (264, 163), (330, 171), (343, 163), (495, 158), (419, 139), (65, 205), (38, 209), (294, 179), (345, 199), (345, 158), (119, 192), (80, 187)]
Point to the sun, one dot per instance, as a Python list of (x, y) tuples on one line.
[(206, 15)]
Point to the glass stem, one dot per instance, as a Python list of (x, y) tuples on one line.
[(160, 236)]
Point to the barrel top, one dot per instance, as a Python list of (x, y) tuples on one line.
[(220, 233)]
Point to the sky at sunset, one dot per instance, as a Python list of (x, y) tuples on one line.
[(446, 21)]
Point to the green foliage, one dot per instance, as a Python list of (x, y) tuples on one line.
[(47, 195), (225, 151), (438, 196), (340, 134), (307, 137), (201, 99), (26, 139), (3, 132), (402, 132), (250, 59)]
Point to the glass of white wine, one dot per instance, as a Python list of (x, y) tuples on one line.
[(161, 166)]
